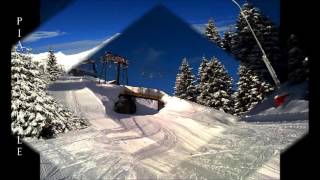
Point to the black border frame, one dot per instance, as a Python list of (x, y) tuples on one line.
[(296, 17)]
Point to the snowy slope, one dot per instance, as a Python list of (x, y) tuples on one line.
[(69, 61), (181, 141), (293, 103), (294, 108)]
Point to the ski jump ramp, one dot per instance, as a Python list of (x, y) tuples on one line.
[(145, 93)]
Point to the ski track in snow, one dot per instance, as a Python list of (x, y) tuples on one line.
[(181, 141)]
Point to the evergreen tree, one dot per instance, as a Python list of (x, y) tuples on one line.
[(212, 33), (245, 47), (216, 87), (185, 82), (227, 40), (52, 68), (34, 113), (297, 61), (201, 70), (251, 90)]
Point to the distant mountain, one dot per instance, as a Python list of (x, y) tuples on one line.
[(69, 61)]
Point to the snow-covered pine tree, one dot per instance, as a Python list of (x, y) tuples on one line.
[(53, 68), (212, 33), (246, 49), (42, 68), (34, 113), (297, 62), (216, 87), (227, 40), (251, 90), (185, 82), (201, 71)]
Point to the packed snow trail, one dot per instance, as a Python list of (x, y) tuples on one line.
[(181, 141)]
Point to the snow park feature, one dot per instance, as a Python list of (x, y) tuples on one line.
[(125, 105), (182, 140), (184, 114), (145, 93)]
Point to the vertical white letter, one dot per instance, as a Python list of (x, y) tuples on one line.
[(19, 151), (19, 142), (19, 19), (19, 32)]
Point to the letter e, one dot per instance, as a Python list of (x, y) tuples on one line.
[(19, 151)]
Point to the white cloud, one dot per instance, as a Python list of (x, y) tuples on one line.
[(200, 27), (69, 47), (42, 35), (76, 46), (223, 29), (73, 46)]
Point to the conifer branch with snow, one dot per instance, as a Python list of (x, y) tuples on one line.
[(245, 47), (227, 40), (54, 71), (215, 86), (201, 71), (185, 82), (34, 113), (251, 90), (212, 33)]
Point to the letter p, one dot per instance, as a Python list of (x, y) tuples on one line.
[(19, 19)]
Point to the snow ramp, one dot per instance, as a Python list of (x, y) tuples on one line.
[(183, 140)]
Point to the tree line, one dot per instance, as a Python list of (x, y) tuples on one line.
[(34, 112), (213, 85)]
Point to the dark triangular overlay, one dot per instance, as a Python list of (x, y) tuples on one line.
[(51, 8), (154, 46)]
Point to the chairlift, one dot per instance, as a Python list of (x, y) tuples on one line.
[(121, 67)]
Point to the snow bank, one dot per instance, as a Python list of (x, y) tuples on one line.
[(293, 106), (196, 111), (294, 103), (276, 117)]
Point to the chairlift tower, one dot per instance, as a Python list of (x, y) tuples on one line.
[(121, 65)]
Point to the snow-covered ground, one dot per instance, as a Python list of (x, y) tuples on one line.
[(294, 108), (183, 140)]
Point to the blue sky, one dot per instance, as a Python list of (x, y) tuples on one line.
[(84, 24), (155, 46)]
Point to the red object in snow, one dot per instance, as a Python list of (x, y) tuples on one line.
[(279, 99)]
